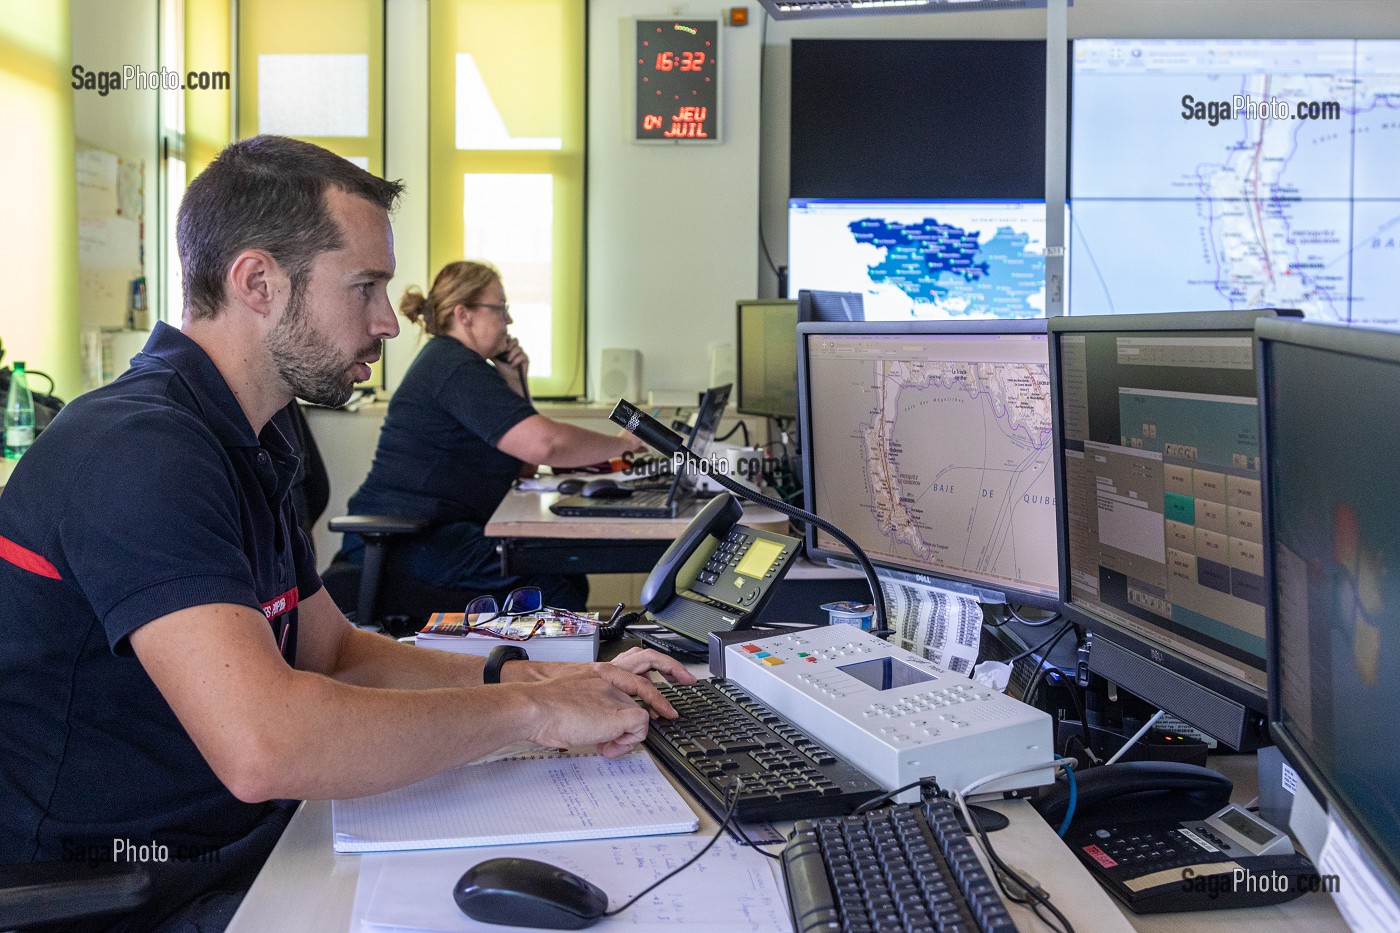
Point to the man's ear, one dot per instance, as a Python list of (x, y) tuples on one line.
[(255, 281)]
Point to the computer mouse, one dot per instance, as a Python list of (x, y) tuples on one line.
[(569, 487), (604, 489), (526, 893)]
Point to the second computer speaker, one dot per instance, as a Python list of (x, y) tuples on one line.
[(723, 362), (619, 374)]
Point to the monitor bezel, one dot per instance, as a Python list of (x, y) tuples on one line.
[(980, 589), (807, 305), (739, 394), (1359, 343), (1148, 652)]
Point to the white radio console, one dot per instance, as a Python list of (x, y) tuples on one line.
[(893, 714)]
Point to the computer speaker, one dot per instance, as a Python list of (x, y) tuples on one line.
[(723, 363), (619, 374)]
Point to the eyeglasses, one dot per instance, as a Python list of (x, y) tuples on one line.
[(521, 601), (502, 309), (524, 601)]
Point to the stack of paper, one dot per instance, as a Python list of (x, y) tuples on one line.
[(540, 798), (561, 637)]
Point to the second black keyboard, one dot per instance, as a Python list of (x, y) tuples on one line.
[(906, 869), (724, 736)]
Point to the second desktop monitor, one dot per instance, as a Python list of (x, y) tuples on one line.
[(930, 445)]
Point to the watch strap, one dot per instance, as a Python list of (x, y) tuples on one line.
[(491, 674)]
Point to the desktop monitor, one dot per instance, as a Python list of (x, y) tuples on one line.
[(1157, 441), (1332, 536), (922, 260), (929, 444), (1233, 173), (767, 351), (816, 305)]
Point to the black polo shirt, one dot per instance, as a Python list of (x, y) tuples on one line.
[(437, 456), (144, 497)]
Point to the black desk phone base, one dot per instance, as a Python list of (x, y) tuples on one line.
[(1197, 851)]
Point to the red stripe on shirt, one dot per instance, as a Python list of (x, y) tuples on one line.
[(278, 605), (25, 559)]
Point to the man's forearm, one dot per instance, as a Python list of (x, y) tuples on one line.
[(369, 660)]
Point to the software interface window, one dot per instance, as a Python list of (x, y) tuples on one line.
[(949, 435), (1162, 483)]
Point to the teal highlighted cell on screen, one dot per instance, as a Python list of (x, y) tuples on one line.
[(1179, 508)]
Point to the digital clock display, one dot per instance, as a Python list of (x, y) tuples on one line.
[(677, 86)]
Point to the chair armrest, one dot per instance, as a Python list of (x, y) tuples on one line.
[(371, 525), (62, 892)]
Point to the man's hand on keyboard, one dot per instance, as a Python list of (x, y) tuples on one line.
[(627, 672), (631, 668), (579, 707)]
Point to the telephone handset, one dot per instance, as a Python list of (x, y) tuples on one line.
[(718, 574)]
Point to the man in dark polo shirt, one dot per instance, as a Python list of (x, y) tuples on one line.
[(173, 672)]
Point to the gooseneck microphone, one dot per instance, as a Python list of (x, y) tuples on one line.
[(668, 442)]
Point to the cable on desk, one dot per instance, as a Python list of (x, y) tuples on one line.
[(1073, 690), (1136, 735), (737, 832), (1054, 636), (926, 783), (1039, 897), (729, 815), (1044, 667), (1033, 623), (737, 426), (1073, 801)]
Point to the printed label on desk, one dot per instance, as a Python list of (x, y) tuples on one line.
[(1100, 856)]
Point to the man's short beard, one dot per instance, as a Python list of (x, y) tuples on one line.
[(305, 361)]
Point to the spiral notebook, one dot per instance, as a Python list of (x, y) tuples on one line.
[(534, 798)]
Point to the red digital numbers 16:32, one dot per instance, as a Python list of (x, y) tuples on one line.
[(688, 61)]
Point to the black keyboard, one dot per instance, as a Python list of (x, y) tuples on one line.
[(724, 735), (908, 867)]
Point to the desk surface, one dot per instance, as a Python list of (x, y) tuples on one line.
[(306, 888), (6, 468), (527, 515)]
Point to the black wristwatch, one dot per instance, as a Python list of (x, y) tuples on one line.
[(491, 674)]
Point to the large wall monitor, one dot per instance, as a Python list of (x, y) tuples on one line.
[(1235, 174), (1330, 424), (917, 118), (914, 260), (1157, 427), (767, 351), (930, 445)]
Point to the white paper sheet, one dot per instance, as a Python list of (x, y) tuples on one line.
[(412, 891), (944, 627)]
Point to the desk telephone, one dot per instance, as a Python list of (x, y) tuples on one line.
[(718, 575), (1195, 852)]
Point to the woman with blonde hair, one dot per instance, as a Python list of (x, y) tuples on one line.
[(459, 430)]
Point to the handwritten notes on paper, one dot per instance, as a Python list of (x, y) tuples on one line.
[(732, 888)]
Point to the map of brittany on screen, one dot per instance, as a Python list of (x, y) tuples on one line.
[(1208, 175), (912, 260)]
